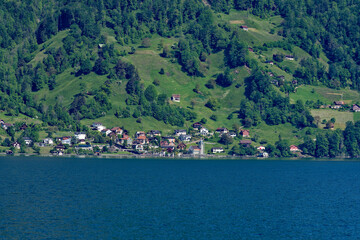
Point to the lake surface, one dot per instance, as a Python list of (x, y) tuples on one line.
[(63, 198)]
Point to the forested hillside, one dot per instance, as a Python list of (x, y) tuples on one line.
[(234, 62)]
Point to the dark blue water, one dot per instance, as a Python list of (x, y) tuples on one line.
[(52, 198)]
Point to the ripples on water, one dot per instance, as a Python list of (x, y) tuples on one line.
[(59, 198)]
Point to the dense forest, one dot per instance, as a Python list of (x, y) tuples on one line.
[(329, 27)]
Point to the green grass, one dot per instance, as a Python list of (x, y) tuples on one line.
[(324, 94), (340, 117)]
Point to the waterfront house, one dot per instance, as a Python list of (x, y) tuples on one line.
[(47, 141), (261, 148), (294, 148), (84, 147), (80, 135), (65, 140), (141, 139), (27, 140), (180, 132), (194, 150), (16, 145), (175, 98), (217, 150)]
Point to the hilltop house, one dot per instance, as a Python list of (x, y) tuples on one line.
[(244, 27), (185, 138), (203, 131), (6, 125), (197, 126), (80, 135), (245, 133), (175, 98), (222, 131), (338, 104), (98, 126), (180, 132)]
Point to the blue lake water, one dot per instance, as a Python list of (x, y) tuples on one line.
[(63, 198)]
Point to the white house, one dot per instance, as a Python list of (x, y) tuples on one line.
[(203, 131), (27, 140), (98, 126), (185, 138), (217, 150), (48, 141), (80, 135), (261, 148), (106, 131), (180, 132)]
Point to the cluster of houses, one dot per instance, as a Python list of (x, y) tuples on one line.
[(339, 105), (180, 141)]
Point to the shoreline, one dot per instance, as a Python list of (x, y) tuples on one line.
[(199, 158)]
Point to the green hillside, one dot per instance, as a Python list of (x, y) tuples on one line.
[(235, 65)]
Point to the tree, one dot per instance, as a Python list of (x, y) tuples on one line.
[(226, 140), (224, 80), (236, 52), (322, 146), (101, 66), (150, 93), (85, 66)]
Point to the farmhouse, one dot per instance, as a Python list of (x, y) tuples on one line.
[(289, 57), (244, 27), (356, 108), (245, 133), (245, 143), (175, 98)]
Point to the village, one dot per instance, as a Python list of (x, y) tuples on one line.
[(196, 141)]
